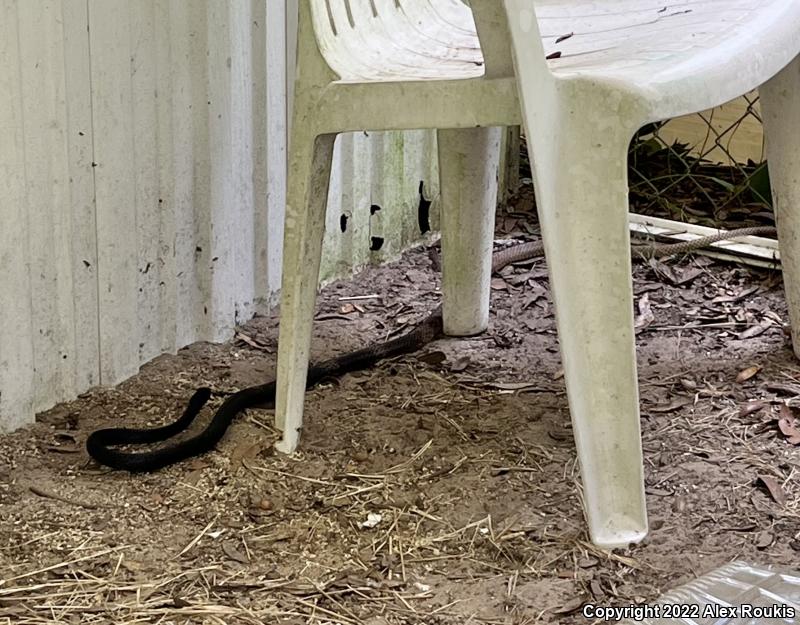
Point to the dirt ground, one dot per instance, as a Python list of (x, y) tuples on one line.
[(439, 488)]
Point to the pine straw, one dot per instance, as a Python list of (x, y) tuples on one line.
[(71, 594), (110, 586), (471, 474), (71, 591)]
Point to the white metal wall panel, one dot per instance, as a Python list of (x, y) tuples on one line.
[(381, 169), (16, 325), (142, 184), (115, 181)]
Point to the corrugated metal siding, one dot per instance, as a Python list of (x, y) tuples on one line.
[(142, 183), (143, 179), (375, 185)]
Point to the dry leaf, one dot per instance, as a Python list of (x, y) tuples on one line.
[(751, 407), (252, 342), (233, 553), (764, 540), (509, 224), (332, 316), (672, 406), (346, 309), (687, 275), (64, 449), (679, 504), (537, 324), (645, 316), (789, 430), (731, 299), (193, 477), (775, 490), (517, 279), (63, 435), (512, 386), (746, 374), (417, 276), (659, 492), (246, 450), (559, 435), (433, 358), (755, 330), (461, 363), (572, 605), (785, 388), (498, 284), (198, 464)]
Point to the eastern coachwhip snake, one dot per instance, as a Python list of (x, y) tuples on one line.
[(100, 443)]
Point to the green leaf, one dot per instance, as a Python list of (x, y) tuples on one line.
[(724, 184), (759, 186)]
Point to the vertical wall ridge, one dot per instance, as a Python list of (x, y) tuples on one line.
[(16, 340), (85, 359)]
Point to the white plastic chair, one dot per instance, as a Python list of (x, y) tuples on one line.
[(378, 64)]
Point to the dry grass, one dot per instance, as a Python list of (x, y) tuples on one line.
[(435, 494)]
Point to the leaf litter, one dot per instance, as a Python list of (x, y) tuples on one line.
[(431, 490)]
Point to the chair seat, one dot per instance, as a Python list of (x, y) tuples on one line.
[(675, 48), (387, 41), (664, 45)]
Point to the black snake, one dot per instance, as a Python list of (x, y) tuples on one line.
[(100, 444)]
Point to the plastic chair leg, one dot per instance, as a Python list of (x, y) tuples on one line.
[(468, 171), (582, 198), (309, 175), (780, 108)]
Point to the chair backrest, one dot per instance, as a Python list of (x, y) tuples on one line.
[(526, 40), (365, 37)]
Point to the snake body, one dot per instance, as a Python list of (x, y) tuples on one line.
[(100, 444)]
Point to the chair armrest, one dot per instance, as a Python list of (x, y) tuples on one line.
[(525, 39)]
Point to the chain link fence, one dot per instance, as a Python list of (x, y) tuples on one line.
[(707, 168)]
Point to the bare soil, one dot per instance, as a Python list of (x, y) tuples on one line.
[(441, 487)]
